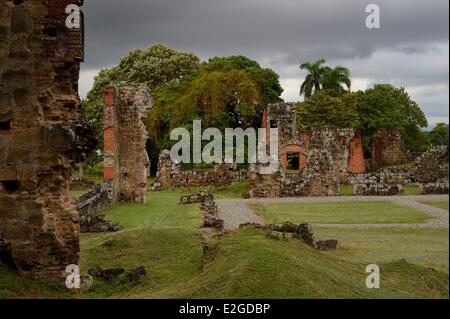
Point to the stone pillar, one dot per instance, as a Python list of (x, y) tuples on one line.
[(42, 136), (126, 162)]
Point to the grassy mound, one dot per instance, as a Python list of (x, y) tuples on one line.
[(164, 237)]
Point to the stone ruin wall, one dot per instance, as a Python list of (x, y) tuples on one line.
[(126, 162), (387, 149), (170, 175), (41, 137), (429, 172), (326, 157)]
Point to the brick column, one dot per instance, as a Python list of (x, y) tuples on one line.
[(109, 133), (356, 161)]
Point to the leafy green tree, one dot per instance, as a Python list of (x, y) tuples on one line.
[(385, 106), (313, 81), (322, 110), (439, 134), (322, 77), (223, 92), (155, 65), (334, 80)]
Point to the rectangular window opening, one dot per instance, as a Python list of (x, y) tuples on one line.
[(293, 162)]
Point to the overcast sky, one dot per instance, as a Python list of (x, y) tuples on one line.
[(411, 49)]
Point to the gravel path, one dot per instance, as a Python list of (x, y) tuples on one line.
[(236, 212)]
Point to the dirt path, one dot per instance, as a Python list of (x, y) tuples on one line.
[(236, 212)]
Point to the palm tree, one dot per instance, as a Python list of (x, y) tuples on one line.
[(313, 79), (335, 79)]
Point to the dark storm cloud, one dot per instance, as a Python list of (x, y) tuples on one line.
[(260, 28), (411, 46)]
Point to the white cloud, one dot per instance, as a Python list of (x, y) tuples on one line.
[(86, 81)]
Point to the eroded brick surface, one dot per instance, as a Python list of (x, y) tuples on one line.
[(41, 136), (126, 161)]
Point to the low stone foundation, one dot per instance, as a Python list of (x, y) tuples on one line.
[(305, 233), (97, 199), (377, 189), (438, 187), (209, 208), (429, 172), (171, 175)]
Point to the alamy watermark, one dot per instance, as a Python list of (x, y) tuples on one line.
[(373, 19), (189, 148), (73, 20), (73, 280), (373, 280)]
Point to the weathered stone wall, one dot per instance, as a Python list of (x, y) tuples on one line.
[(431, 165), (98, 198), (126, 160), (266, 185), (171, 175), (387, 149), (283, 117), (327, 156), (374, 184), (41, 136), (429, 172), (350, 156)]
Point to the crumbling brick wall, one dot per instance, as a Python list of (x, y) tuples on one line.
[(387, 148), (41, 137), (126, 161)]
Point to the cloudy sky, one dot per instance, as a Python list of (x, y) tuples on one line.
[(411, 48)]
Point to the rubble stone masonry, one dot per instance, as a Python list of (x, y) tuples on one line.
[(41, 137), (171, 175)]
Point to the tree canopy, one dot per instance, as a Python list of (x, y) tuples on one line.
[(439, 135), (322, 110), (223, 92), (323, 77), (155, 65), (385, 106)]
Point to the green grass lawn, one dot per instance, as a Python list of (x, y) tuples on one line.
[(425, 247), (374, 212), (412, 191), (346, 190), (443, 204), (164, 237)]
